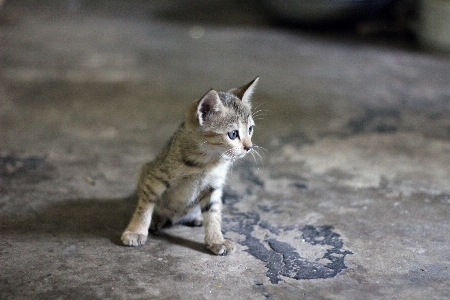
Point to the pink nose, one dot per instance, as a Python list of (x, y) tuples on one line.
[(247, 143)]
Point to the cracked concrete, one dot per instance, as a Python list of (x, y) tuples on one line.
[(352, 184)]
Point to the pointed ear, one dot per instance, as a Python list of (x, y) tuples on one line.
[(208, 106), (245, 92)]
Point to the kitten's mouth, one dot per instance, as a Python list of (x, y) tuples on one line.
[(241, 155)]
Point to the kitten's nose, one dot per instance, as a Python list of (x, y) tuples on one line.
[(247, 143)]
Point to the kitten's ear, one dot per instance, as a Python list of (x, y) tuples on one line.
[(209, 105), (245, 92)]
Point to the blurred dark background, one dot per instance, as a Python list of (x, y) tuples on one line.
[(399, 22)]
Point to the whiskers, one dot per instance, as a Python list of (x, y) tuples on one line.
[(230, 155), (236, 154), (258, 114), (257, 153)]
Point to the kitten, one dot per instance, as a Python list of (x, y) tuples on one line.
[(184, 182)]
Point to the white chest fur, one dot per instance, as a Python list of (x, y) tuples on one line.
[(185, 191)]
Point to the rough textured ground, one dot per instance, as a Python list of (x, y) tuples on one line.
[(350, 201)]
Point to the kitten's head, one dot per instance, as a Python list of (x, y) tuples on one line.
[(225, 122)]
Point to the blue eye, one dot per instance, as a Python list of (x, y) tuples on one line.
[(250, 130), (233, 134)]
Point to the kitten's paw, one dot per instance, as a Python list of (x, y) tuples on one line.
[(224, 248), (197, 222), (194, 223), (133, 239)]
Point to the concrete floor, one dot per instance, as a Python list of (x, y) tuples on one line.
[(351, 200)]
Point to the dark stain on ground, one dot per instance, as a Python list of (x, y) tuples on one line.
[(299, 185), (249, 174), (30, 169), (298, 139), (282, 258), (376, 120)]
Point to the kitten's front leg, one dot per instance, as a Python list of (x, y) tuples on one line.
[(211, 206), (137, 231), (150, 190)]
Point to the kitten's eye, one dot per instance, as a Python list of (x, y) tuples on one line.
[(233, 134), (250, 130)]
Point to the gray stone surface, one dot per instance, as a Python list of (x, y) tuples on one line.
[(351, 199)]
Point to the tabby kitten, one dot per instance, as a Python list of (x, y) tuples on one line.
[(184, 182)]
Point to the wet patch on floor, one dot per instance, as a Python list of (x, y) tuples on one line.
[(299, 252), (376, 120), (31, 169)]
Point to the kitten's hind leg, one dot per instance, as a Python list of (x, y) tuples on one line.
[(212, 217), (159, 221), (193, 218), (194, 223)]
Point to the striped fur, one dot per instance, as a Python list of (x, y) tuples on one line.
[(183, 184)]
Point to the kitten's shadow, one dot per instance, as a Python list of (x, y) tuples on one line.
[(177, 240), (105, 218)]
